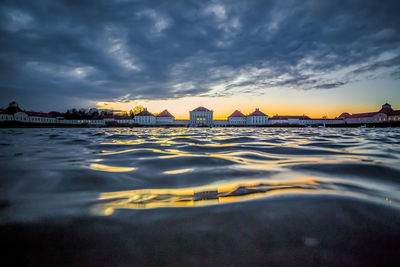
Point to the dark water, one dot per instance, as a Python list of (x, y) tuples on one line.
[(200, 197)]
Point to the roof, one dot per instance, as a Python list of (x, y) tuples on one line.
[(236, 113), (303, 117), (39, 114), (165, 113), (3, 111), (119, 117), (201, 109), (144, 113), (386, 110), (344, 115), (12, 110), (363, 115), (257, 112)]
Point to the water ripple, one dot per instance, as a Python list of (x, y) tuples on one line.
[(114, 161)]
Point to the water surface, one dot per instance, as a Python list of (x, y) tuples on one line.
[(220, 196)]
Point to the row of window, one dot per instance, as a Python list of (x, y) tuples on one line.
[(258, 120), (201, 118), (146, 120), (40, 119), (5, 118), (382, 119)]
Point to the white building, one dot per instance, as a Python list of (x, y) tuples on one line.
[(108, 118), (237, 118), (40, 117), (201, 117), (4, 116), (14, 113), (165, 118), (145, 118), (125, 120), (257, 118), (292, 120), (21, 116)]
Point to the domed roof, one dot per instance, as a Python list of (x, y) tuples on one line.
[(201, 109), (257, 112), (13, 108)]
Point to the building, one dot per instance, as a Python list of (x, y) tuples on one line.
[(12, 109), (108, 118), (40, 117), (165, 118), (125, 120), (4, 116), (394, 116), (257, 118), (201, 117), (290, 120), (145, 118), (15, 113), (385, 114), (370, 117), (237, 118)]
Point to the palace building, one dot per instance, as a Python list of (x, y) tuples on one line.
[(257, 118), (145, 118), (165, 118), (237, 118), (201, 117), (385, 114)]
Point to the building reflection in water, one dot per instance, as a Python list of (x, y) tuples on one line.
[(207, 195)]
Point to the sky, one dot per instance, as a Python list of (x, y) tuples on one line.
[(287, 57)]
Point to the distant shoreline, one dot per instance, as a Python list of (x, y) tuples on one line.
[(50, 125)]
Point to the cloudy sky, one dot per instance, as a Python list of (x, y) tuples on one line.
[(283, 56)]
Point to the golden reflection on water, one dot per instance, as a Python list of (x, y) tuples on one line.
[(107, 168), (265, 161), (204, 195), (179, 171)]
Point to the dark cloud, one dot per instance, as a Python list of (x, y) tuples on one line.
[(73, 52)]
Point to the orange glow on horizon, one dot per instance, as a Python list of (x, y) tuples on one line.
[(223, 107)]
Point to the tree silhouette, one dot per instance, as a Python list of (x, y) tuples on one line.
[(136, 110)]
